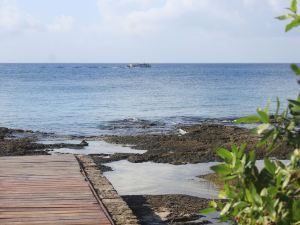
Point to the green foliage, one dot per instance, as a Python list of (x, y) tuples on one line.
[(267, 196), (291, 15), (270, 195), (281, 127)]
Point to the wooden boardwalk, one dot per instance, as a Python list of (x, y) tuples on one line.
[(46, 190)]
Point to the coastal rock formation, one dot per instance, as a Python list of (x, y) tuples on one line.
[(197, 145), (167, 209)]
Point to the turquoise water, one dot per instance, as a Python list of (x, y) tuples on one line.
[(93, 99)]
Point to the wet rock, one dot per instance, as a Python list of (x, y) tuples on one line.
[(84, 143), (199, 144), (63, 145), (100, 159), (167, 209), (12, 147), (3, 132)]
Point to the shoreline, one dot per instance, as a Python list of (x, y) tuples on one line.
[(198, 144)]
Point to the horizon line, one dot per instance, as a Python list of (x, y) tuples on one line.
[(148, 62)]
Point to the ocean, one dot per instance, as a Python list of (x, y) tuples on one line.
[(97, 99)]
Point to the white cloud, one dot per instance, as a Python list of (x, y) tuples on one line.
[(144, 16), (61, 24), (275, 5), (12, 19)]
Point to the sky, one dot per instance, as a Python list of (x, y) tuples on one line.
[(161, 31)]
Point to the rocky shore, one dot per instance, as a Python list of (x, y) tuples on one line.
[(16, 142), (199, 144), (167, 209), (195, 144)]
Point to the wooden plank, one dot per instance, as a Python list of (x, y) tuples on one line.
[(46, 190)]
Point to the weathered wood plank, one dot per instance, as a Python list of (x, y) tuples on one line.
[(46, 190)]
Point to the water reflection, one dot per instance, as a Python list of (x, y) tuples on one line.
[(156, 178)]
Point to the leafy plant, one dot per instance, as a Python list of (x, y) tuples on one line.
[(291, 15), (269, 195), (280, 128)]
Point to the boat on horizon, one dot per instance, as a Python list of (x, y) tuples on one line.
[(141, 65)]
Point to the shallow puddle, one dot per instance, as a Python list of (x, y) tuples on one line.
[(94, 147), (157, 179), (150, 178)]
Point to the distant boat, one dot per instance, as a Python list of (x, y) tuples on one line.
[(141, 65)]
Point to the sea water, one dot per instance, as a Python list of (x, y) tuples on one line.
[(95, 99)]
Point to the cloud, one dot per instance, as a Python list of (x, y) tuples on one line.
[(232, 17), (61, 24), (144, 16), (12, 19), (275, 5)]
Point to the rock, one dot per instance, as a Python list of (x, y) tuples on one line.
[(167, 209), (84, 143), (182, 132), (198, 143)]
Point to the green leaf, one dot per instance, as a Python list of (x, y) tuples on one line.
[(252, 156), (222, 194), (296, 69), (270, 166), (220, 204), (225, 209), (224, 154), (296, 210), (234, 149), (294, 6), (249, 196), (279, 178), (293, 24), (248, 119), (241, 150), (240, 205), (283, 17), (264, 192), (291, 126), (230, 177), (207, 210), (256, 197), (223, 169), (264, 117), (295, 110), (277, 106), (286, 181), (265, 138), (261, 128), (213, 204), (294, 102)]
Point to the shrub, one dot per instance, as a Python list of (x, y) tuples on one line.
[(269, 195)]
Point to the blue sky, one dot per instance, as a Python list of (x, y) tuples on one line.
[(196, 31)]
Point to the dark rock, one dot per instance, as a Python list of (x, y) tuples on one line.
[(84, 143), (18, 147), (198, 145), (167, 209), (3, 132)]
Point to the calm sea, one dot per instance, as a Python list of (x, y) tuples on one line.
[(93, 99)]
